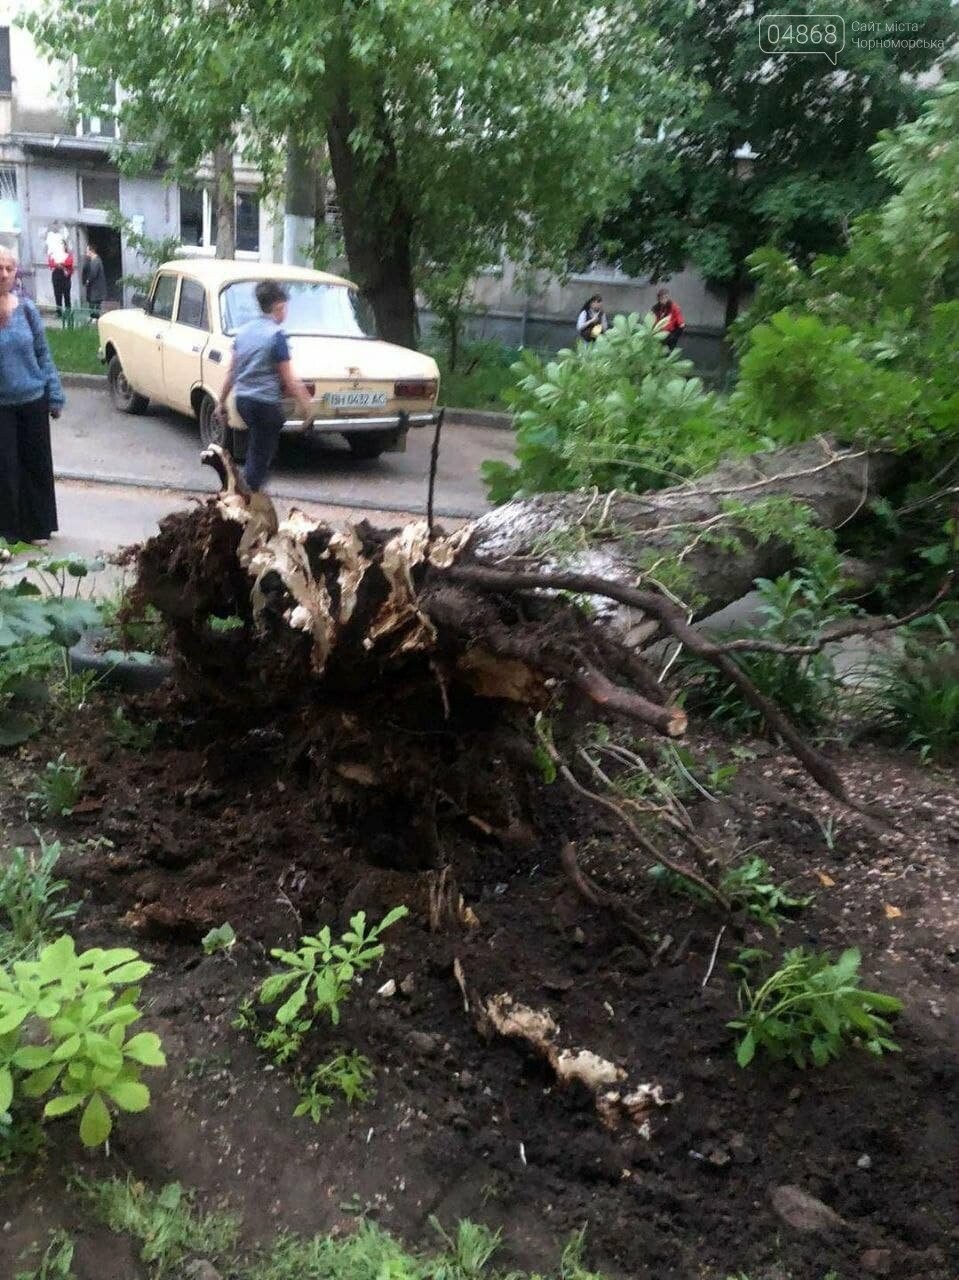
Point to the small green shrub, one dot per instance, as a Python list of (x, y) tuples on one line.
[(166, 1222), (347, 1074), (620, 413), (912, 699), (748, 887), (794, 610), (63, 1025), (31, 909), (133, 737), (222, 938), (56, 1261), (322, 972), (58, 788), (810, 1010)]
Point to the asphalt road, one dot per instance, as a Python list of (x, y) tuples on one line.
[(160, 451)]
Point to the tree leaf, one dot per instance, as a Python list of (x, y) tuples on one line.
[(146, 1049), (96, 1123), (129, 1095)]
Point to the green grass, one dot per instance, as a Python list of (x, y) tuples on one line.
[(481, 376), (74, 350)]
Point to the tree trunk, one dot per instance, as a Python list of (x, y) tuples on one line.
[(224, 201), (299, 196), (624, 532), (377, 226)]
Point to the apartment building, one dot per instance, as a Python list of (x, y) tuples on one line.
[(56, 169)]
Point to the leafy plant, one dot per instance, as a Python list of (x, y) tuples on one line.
[(347, 1074), (58, 788), (134, 737), (467, 1252), (166, 1222), (63, 1024), (30, 906), (56, 1261), (750, 887), (913, 698), (222, 938), (621, 413), (322, 972), (794, 610), (810, 1010), (37, 614)]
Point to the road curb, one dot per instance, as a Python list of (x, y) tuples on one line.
[(283, 495), (461, 417)]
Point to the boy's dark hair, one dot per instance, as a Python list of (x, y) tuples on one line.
[(269, 293)]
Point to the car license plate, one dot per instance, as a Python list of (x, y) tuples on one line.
[(355, 399)]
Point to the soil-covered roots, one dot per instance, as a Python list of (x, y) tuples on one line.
[(409, 673)]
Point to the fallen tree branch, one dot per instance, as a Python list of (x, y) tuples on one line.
[(590, 892), (668, 720)]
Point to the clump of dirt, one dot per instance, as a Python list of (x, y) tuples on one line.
[(282, 826)]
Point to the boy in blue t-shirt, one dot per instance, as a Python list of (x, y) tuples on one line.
[(261, 373)]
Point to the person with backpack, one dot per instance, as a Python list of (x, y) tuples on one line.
[(669, 317), (30, 395), (592, 321)]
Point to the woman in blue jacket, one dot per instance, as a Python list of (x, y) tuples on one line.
[(30, 395)]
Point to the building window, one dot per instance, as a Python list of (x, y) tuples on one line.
[(247, 222), (191, 216), (6, 76), (99, 192), (101, 126), (198, 219)]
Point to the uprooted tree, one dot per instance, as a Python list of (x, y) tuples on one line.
[(423, 674)]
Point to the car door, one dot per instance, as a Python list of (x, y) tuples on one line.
[(147, 367), (183, 345)]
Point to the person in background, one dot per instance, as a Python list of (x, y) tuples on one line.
[(592, 320), (261, 373), (94, 280), (30, 395), (669, 317), (60, 262)]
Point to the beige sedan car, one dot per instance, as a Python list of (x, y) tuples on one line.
[(175, 351)]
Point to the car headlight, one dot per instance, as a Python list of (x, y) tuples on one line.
[(415, 389)]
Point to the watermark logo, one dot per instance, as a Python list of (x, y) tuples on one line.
[(808, 33)]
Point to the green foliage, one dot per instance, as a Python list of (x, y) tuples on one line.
[(810, 1010), (482, 376), (166, 1222), (799, 375), (322, 972), (58, 788), (347, 1074), (63, 1025), (36, 615), (794, 610), (912, 698), (622, 412), (748, 887), (30, 906), (222, 938), (56, 1261), (134, 737), (690, 204), (371, 1254)]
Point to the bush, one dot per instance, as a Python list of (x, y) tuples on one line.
[(30, 901), (794, 611), (622, 412), (810, 1010), (912, 699), (63, 1025)]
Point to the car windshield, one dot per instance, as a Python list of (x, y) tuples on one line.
[(330, 310)]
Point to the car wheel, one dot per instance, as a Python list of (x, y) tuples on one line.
[(212, 431), (368, 444), (121, 393)]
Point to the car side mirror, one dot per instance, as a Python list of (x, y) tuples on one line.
[(142, 301)]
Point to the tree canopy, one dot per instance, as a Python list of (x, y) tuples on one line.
[(456, 129), (811, 124)]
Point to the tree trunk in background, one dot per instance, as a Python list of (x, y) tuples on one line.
[(224, 201), (377, 226)]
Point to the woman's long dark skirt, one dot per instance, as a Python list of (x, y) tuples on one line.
[(28, 505)]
